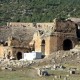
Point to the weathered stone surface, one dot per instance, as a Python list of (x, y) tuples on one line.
[(42, 72), (72, 72)]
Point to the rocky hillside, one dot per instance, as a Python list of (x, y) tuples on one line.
[(37, 10)]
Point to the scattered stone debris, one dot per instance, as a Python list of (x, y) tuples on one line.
[(42, 72), (65, 78), (8, 68), (67, 75), (15, 63), (3, 68), (45, 73), (72, 72), (55, 77)]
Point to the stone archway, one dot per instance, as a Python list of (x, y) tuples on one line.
[(43, 46), (67, 44), (19, 55)]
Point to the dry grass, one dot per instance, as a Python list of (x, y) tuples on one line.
[(31, 74)]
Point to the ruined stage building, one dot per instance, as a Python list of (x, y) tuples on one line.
[(40, 37)]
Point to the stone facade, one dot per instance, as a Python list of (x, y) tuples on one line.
[(38, 26), (47, 38), (12, 49), (63, 36), (19, 24)]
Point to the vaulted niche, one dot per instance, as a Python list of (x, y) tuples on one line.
[(67, 44), (19, 55), (43, 46)]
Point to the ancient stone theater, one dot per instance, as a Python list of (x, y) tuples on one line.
[(17, 38)]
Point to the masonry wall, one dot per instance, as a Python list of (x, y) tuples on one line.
[(4, 51), (47, 46), (19, 24), (37, 42), (51, 44), (45, 26), (62, 37), (39, 26), (61, 30), (1, 51), (15, 50), (65, 27), (11, 51), (55, 42)]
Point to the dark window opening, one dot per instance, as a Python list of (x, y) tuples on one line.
[(43, 43), (19, 55), (5, 44), (67, 44), (43, 46)]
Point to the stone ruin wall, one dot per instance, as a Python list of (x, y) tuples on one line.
[(45, 26), (61, 31), (18, 24), (66, 27), (64, 30), (39, 26)]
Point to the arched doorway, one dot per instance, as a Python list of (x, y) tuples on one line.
[(43, 42), (67, 44), (43, 46), (19, 55)]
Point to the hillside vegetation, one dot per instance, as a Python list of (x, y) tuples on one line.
[(37, 10)]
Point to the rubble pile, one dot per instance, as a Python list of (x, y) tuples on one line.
[(60, 57), (9, 64), (55, 58)]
